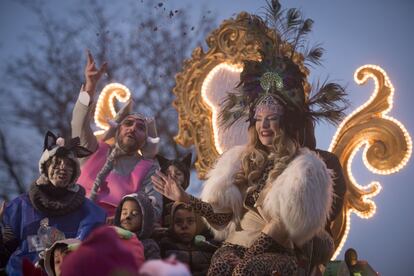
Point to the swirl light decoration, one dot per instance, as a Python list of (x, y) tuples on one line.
[(387, 148), (221, 79), (105, 112), (105, 106), (229, 45), (386, 142)]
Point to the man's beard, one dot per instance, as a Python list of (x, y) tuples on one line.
[(128, 147)]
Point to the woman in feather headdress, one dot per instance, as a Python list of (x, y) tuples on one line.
[(269, 197)]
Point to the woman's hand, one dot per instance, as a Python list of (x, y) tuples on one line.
[(167, 186), (92, 74)]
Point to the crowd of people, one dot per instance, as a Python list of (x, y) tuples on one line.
[(120, 209), (57, 228)]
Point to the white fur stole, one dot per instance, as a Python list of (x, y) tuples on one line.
[(220, 191), (301, 196)]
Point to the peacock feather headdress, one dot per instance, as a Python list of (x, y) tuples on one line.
[(278, 75)]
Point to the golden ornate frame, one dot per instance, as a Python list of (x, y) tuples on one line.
[(233, 42), (387, 143), (387, 148)]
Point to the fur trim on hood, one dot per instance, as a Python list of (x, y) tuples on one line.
[(148, 214), (48, 253), (57, 146), (301, 196)]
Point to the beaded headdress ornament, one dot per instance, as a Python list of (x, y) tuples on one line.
[(277, 81)]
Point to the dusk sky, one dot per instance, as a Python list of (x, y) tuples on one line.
[(354, 33)]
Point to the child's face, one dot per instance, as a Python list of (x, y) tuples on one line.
[(184, 225), (131, 216), (176, 174), (58, 255)]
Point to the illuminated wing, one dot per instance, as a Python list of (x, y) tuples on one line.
[(223, 78), (205, 79), (387, 148), (105, 106)]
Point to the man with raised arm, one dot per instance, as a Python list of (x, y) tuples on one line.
[(114, 171)]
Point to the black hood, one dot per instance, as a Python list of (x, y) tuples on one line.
[(184, 165), (148, 214)]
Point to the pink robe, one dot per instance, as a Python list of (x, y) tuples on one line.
[(115, 186)]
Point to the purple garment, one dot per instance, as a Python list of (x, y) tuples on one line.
[(116, 186), (24, 220)]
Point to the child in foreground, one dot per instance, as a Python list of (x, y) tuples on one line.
[(182, 240), (135, 213)]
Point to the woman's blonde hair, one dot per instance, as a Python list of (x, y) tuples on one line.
[(257, 156)]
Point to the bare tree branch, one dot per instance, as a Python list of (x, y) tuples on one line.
[(144, 50), (9, 163)]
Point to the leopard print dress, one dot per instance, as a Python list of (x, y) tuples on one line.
[(264, 257)]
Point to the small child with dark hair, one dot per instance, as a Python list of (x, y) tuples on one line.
[(135, 213), (181, 240), (53, 256)]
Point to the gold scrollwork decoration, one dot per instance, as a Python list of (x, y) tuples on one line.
[(387, 145), (234, 41), (387, 148)]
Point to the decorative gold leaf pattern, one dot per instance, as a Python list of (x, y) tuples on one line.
[(234, 41), (105, 106), (387, 148)]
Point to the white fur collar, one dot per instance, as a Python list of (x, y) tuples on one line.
[(301, 196), (220, 191)]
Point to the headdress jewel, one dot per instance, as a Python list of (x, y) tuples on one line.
[(278, 79)]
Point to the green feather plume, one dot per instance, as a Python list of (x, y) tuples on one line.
[(328, 103)]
